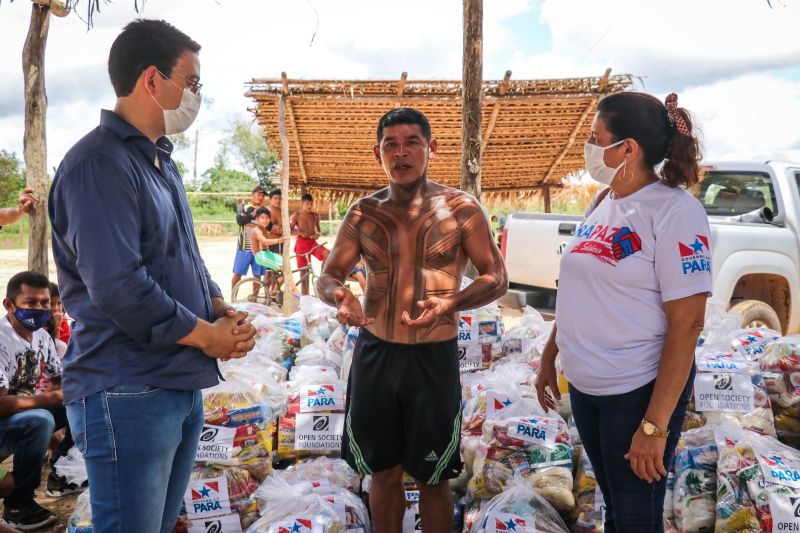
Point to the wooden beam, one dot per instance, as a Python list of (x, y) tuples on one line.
[(601, 87), (34, 137), (296, 138), (401, 87), (570, 140), (289, 287), (546, 194), (56, 7), (501, 91), (471, 98), (284, 83)]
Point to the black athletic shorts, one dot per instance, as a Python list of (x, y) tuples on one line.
[(404, 408)]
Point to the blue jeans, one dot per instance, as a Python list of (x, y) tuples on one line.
[(606, 425), (139, 443), (27, 435)]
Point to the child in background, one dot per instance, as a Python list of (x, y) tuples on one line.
[(259, 240), (305, 226)]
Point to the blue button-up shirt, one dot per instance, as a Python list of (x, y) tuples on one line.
[(129, 267)]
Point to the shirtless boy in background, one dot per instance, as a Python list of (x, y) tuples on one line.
[(305, 226), (404, 393)]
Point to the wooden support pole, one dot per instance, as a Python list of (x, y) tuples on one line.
[(35, 136), (471, 98), (546, 194), (289, 288), (401, 87), (501, 91)]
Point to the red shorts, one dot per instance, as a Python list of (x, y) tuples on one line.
[(304, 246)]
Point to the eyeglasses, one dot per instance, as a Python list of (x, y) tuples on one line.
[(192, 85)]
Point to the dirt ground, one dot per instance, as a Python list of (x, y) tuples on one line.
[(217, 252)]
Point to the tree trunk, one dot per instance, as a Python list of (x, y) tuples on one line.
[(35, 141), (289, 304), (471, 104)]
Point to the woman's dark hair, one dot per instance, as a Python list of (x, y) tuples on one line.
[(141, 44), (404, 115), (54, 290), (642, 117)]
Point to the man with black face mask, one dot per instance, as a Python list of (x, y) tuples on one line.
[(26, 421)]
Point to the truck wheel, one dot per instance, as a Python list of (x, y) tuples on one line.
[(757, 314)]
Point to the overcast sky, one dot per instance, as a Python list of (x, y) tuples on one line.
[(734, 63)]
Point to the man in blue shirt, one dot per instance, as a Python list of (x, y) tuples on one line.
[(149, 321)]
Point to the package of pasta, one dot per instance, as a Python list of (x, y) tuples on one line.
[(729, 388), (530, 443), (80, 521), (588, 497), (737, 471), (217, 492), (695, 487), (520, 509)]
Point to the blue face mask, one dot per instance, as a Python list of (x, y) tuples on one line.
[(32, 319)]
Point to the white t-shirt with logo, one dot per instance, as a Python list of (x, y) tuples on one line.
[(627, 258), (21, 361)]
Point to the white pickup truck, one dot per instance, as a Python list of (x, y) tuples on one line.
[(754, 213)]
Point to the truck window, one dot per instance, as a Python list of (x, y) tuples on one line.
[(735, 193)]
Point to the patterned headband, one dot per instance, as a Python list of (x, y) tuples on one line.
[(676, 119)]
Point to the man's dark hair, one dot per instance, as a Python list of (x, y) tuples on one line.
[(54, 290), (306, 198), (263, 211), (258, 188), (274, 192), (143, 43), (29, 278), (404, 115)]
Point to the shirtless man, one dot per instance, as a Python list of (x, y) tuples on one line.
[(404, 394), (305, 225)]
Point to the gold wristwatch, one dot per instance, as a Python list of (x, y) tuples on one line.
[(651, 430)]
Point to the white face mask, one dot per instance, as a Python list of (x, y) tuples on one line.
[(596, 166), (178, 120)]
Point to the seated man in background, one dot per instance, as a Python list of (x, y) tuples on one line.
[(27, 422), (305, 225)]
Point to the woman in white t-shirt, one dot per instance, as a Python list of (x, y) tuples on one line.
[(631, 300)]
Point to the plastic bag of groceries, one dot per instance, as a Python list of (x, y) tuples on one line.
[(521, 339), (695, 487), (480, 334), (321, 470), (765, 476), (72, 467), (316, 354), (751, 343), (780, 365), (319, 319), (214, 492), (80, 521), (238, 428), (720, 326), (348, 507), (287, 509), (262, 374), (314, 418), (347, 351), (525, 441), (730, 388), (254, 309), (519, 509), (588, 497)]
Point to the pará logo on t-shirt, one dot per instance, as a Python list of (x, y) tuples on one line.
[(695, 256)]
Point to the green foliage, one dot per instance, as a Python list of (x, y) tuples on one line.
[(12, 178), (247, 145)]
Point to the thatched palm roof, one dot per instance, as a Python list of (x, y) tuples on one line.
[(533, 130)]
